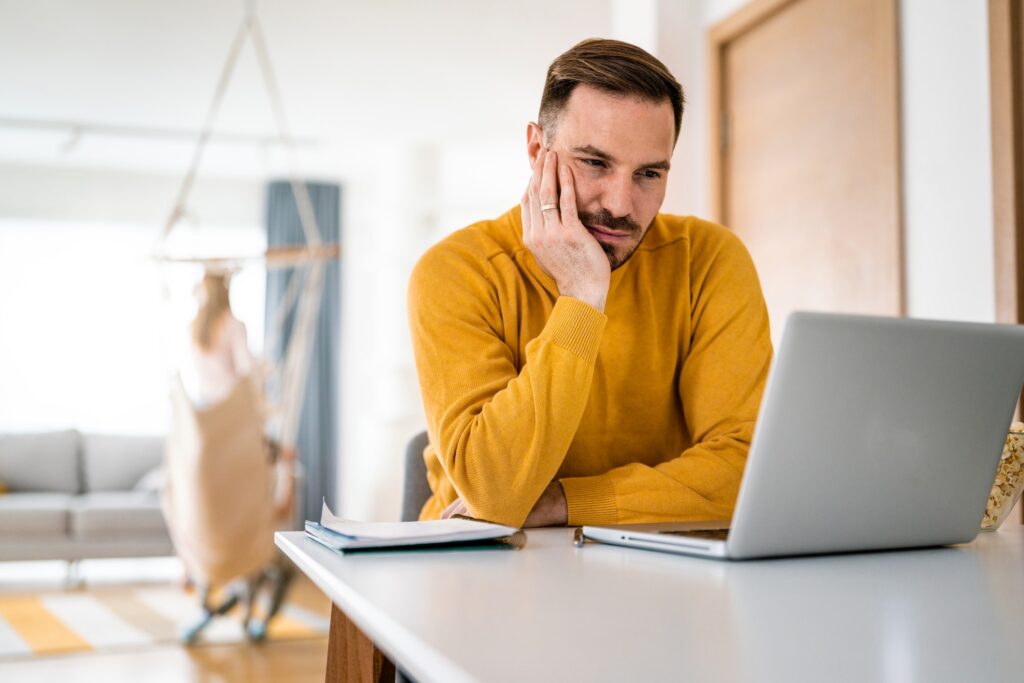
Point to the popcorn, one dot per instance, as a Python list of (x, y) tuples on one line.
[(1009, 479)]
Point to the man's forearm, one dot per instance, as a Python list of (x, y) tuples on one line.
[(501, 457), (702, 483), (500, 441)]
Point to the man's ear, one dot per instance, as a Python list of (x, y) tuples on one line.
[(534, 141)]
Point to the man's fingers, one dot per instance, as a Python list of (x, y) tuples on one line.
[(536, 218), (453, 509), (538, 168), (549, 189), (567, 200), (533, 189)]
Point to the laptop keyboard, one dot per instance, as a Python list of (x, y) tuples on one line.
[(710, 534)]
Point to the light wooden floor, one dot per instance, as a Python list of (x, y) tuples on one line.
[(297, 661), (284, 661)]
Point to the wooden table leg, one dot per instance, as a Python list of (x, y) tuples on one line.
[(352, 657)]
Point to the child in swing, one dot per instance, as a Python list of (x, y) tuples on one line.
[(219, 349), (216, 360), (219, 357)]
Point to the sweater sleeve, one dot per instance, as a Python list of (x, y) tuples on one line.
[(500, 433), (720, 388)]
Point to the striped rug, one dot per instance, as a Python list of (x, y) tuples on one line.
[(102, 619)]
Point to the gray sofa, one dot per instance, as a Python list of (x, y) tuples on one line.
[(72, 496)]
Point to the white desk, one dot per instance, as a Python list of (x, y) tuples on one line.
[(552, 612)]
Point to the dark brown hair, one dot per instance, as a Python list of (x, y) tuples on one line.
[(614, 67)]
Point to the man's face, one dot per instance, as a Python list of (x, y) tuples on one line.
[(619, 150)]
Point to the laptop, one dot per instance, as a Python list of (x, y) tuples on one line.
[(873, 434)]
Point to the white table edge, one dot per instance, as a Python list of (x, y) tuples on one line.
[(418, 659)]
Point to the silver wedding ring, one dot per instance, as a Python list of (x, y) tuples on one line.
[(548, 207)]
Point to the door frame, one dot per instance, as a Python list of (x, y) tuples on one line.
[(732, 27), (1006, 78), (1006, 66)]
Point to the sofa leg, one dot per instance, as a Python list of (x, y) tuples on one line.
[(73, 576)]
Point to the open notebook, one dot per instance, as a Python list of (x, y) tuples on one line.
[(346, 535)]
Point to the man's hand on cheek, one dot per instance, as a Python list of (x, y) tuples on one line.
[(553, 233)]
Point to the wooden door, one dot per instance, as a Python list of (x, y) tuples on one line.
[(806, 109)]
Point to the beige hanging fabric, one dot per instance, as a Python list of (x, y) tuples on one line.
[(219, 486)]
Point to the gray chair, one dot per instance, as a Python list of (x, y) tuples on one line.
[(415, 490)]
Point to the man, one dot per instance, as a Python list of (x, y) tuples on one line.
[(584, 359)]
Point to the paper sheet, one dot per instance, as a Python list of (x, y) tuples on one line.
[(394, 531)]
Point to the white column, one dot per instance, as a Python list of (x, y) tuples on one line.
[(947, 159), (390, 209)]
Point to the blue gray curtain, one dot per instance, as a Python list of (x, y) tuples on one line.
[(318, 428)]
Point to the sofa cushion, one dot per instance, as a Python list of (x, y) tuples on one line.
[(111, 513), (45, 461), (115, 462), (152, 481), (31, 514)]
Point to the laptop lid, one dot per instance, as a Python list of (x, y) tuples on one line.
[(876, 433)]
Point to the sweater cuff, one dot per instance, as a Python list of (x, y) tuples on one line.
[(590, 500), (576, 327)]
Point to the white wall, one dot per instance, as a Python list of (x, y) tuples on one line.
[(113, 195), (947, 157), (682, 46)]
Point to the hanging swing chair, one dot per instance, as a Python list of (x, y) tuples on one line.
[(218, 496)]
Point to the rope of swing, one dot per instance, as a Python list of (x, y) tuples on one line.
[(250, 27), (304, 286)]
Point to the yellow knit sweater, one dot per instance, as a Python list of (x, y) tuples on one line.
[(644, 413)]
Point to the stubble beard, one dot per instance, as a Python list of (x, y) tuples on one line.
[(605, 219)]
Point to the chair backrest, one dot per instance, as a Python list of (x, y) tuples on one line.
[(415, 490)]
